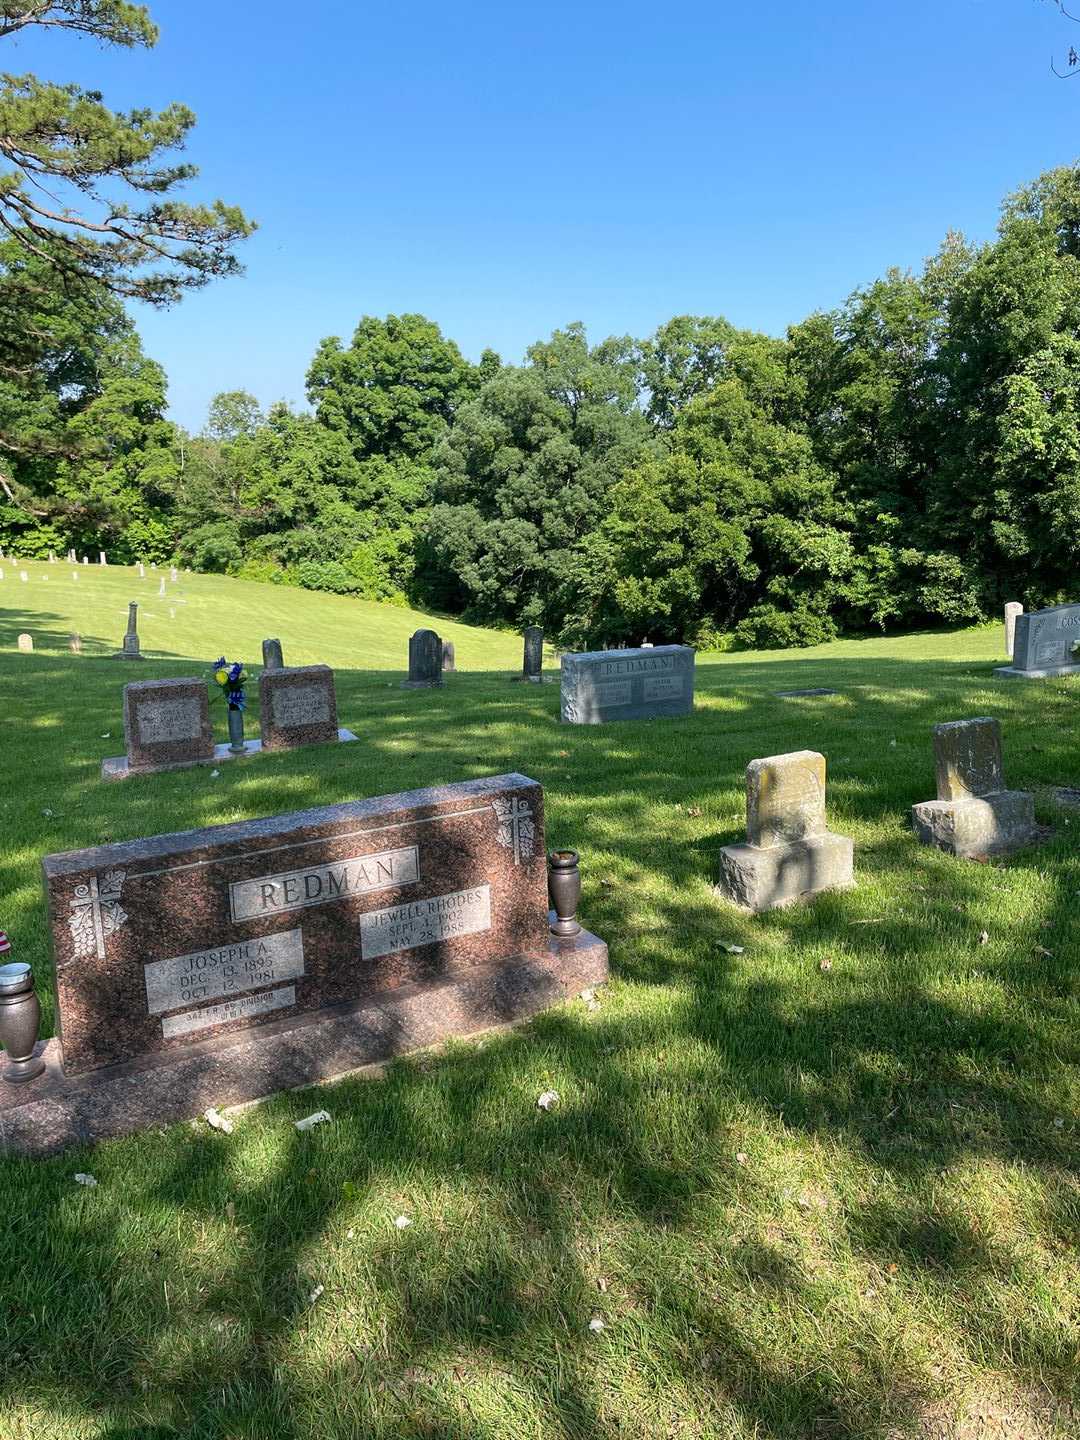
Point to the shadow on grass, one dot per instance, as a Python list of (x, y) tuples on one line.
[(175, 1298)]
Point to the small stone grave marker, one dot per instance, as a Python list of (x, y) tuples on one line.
[(272, 657), (1012, 609), (23, 576), (166, 727), (231, 962), (298, 706), (790, 852), (425, 660), (974, 814), (532, 664), (75, 643), (447, 657), (641, 684), (26, 643)]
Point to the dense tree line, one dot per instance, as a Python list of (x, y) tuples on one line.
[(911, 458)]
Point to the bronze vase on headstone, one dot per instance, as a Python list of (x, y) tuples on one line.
[(564, 891), (20, 1017)]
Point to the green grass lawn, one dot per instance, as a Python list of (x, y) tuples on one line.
[(822, 1186)]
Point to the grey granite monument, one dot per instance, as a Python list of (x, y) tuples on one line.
[(642, 684), (425, 661), (974, 814), (1043, 644), (789, 853), (131, 636)]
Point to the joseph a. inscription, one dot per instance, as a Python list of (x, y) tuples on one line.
[(227, 970)]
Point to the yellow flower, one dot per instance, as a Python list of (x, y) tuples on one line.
[(221, 676)]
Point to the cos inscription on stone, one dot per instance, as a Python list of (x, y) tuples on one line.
[(423, 922), (227, 970), (174, 1026), (297, 889), (169, 720), (301, 705)]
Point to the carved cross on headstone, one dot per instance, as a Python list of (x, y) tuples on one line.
[(96, 913), (516, 828)]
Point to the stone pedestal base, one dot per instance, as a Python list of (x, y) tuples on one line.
[(116, 767), (761, 879), (987, 825), (57, 1111), (1010, 672)]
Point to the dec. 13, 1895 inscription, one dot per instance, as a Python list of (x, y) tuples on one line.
[(652, 682)]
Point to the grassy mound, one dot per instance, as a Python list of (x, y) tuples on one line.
[(822, 1185)]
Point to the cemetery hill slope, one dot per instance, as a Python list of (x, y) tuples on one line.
[(814, 1170)]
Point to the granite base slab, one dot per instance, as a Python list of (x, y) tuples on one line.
[(117, 767), (982, 825), (765, 877), (55, 1112), (1010, 672)]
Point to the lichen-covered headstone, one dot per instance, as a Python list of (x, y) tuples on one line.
[(272, 657), (790, 852), (425, 660), (974, 814), (26, 643), (447, 656)]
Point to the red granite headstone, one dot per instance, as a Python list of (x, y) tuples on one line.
[(178, 939), (297, 706), (167, 723)]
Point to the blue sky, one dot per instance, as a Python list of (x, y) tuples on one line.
[(506, 169)]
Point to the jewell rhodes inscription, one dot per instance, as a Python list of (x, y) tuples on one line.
[(191, 936), (601, 685)]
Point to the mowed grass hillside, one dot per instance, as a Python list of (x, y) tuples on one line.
[(815, 1172)]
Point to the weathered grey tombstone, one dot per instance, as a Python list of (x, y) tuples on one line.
[(1043, 644), (603, 685), (974, 814), (52, 557), (131, 636), (1012, 609), (790, 853), (425, 660), (172, 574), (532, 665), (75, 643), (448, 656), (101, 558), (26, 643), (161, 588), (142, 571), (272, 657)]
